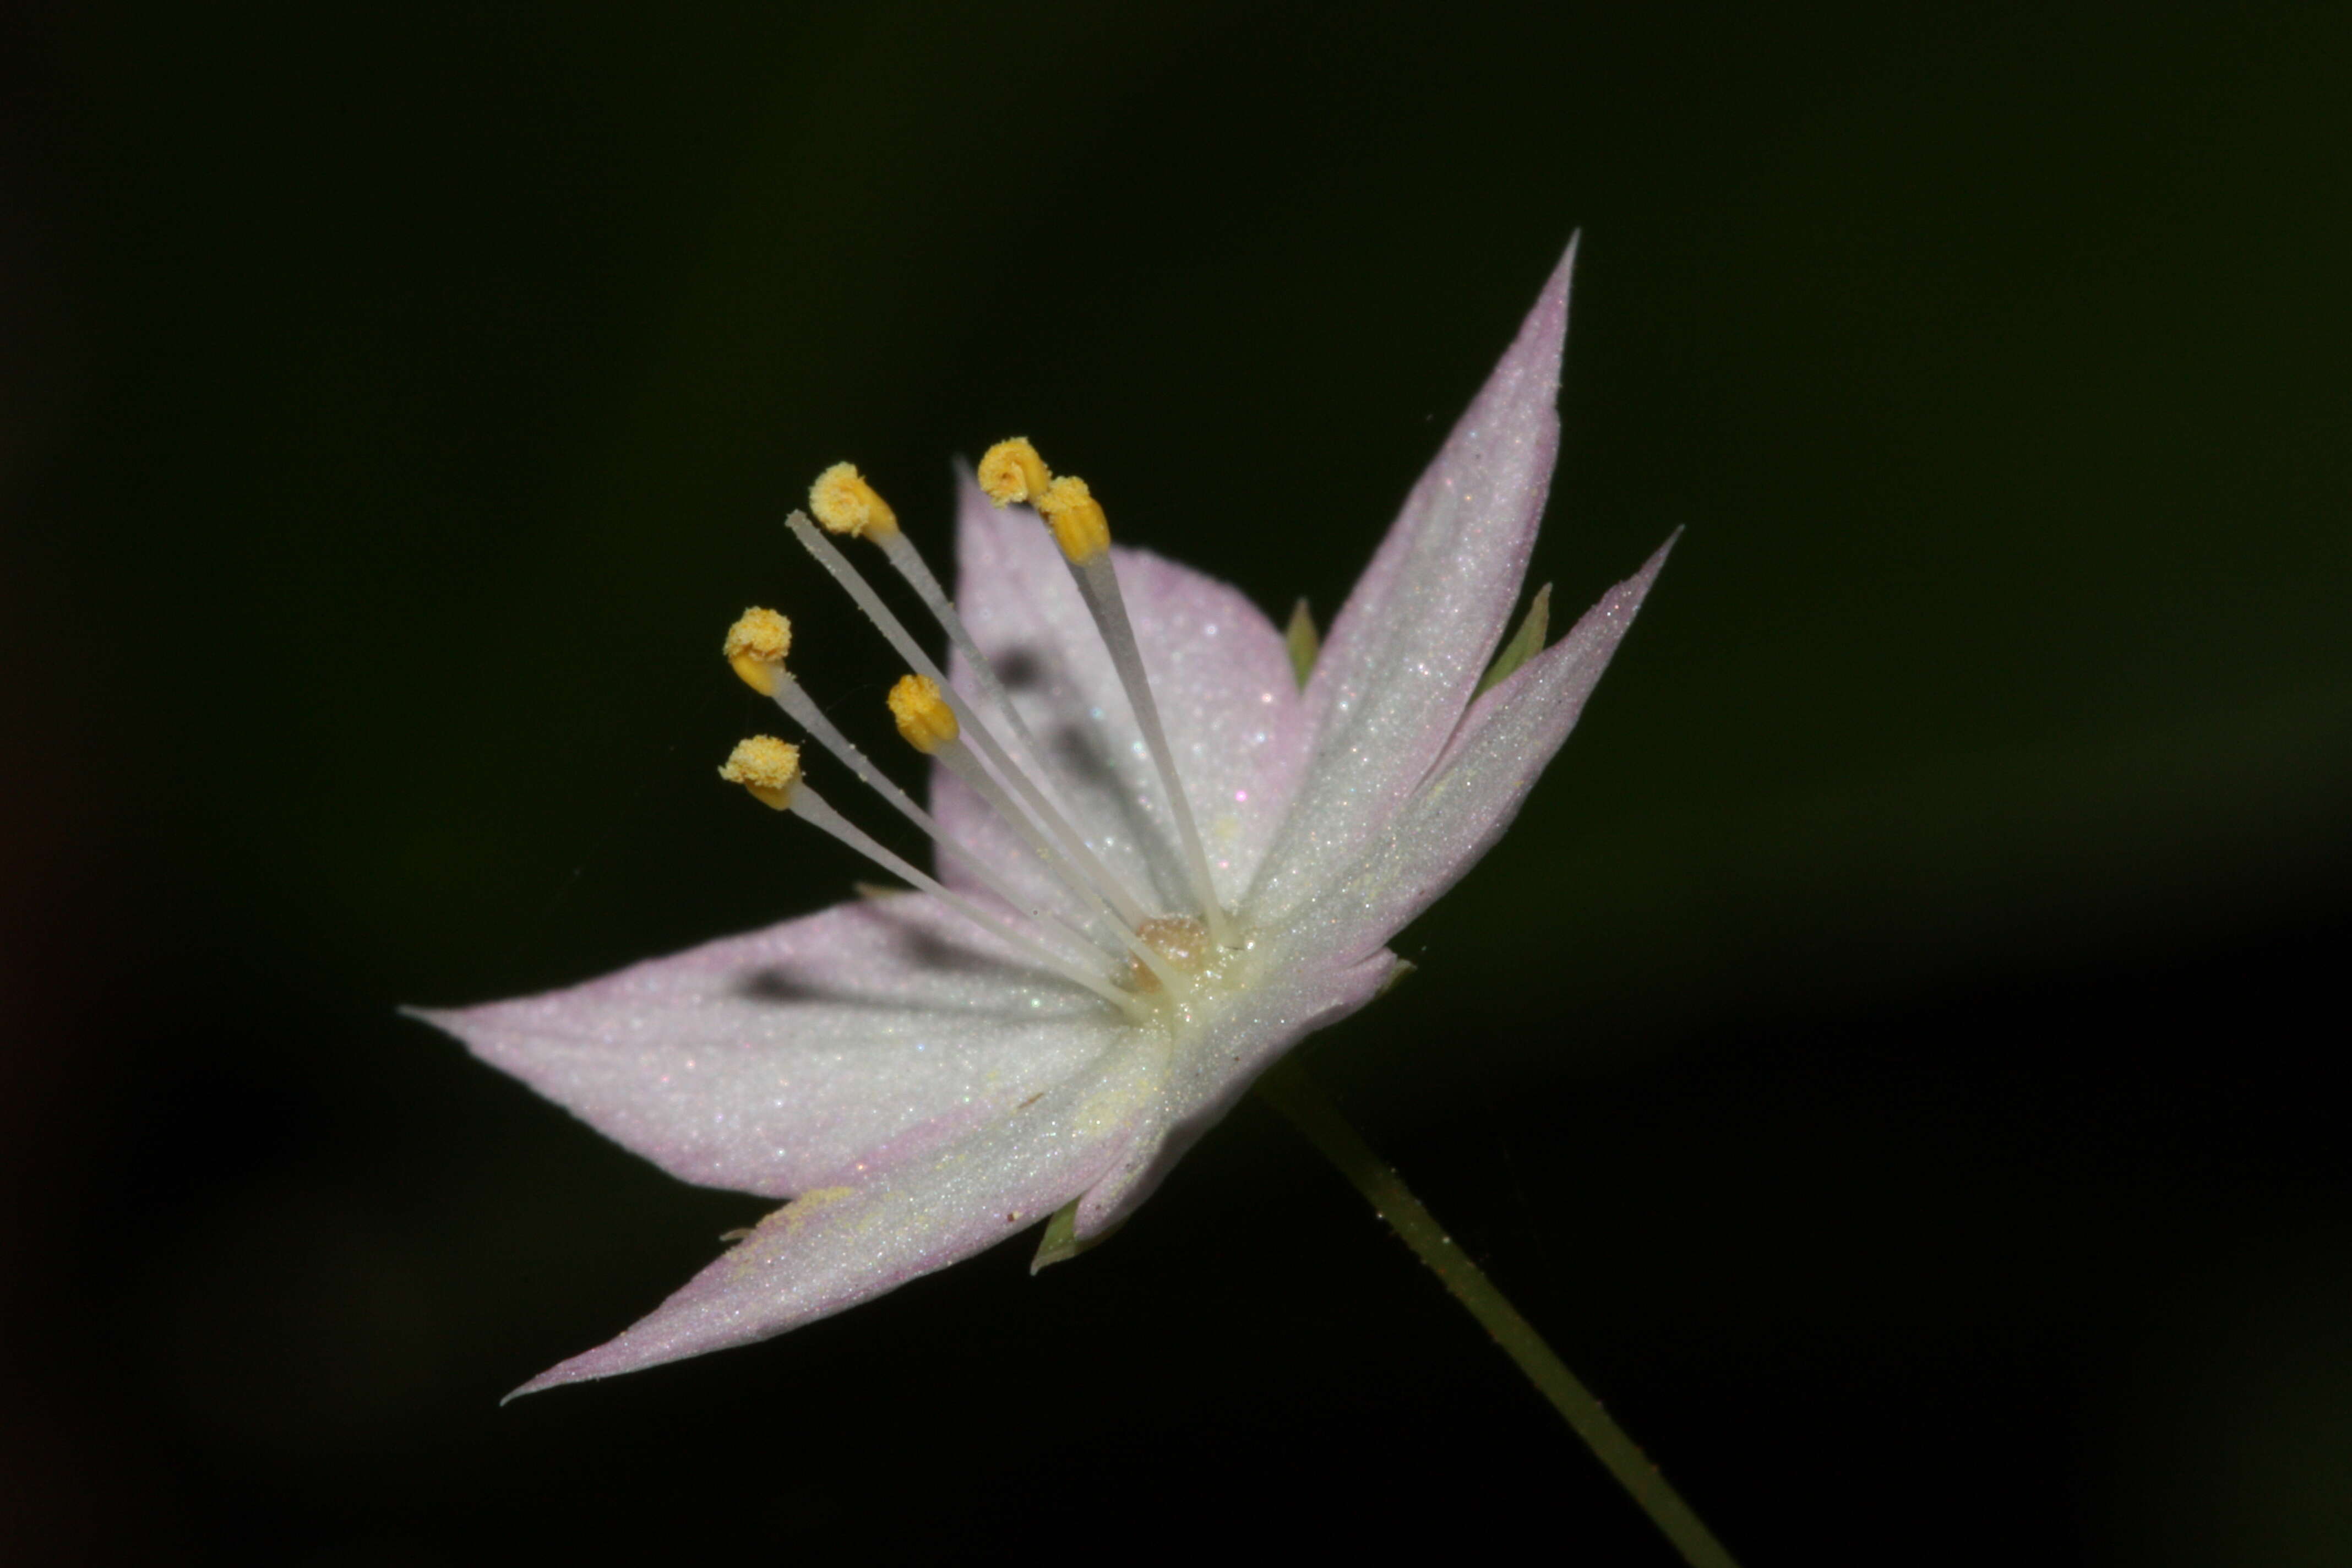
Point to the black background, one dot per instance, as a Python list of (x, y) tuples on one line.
[(1889, 1058)]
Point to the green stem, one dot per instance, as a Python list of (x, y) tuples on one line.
[(1298, 1097)]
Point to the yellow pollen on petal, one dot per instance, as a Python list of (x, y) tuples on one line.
[(845, 504), (766, 766), (1078, 523), (924, 718), (1013, 471), (755, 648)]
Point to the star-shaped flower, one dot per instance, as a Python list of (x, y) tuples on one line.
[(1056, 1019)]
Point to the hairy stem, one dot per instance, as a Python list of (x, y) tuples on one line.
[(1300, 1098)]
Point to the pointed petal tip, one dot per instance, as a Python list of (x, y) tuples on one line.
[(1658, 556), (545, 1380), (1625, 601), (561, 1373), (1541, 342), (1552, 305), (463, 1025), (442, 1018)]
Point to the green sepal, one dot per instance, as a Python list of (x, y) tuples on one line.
[(1525, 643), (1061, 1241), (1395, 977), (1303, 641)]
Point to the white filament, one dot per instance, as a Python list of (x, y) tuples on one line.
[(810, 807), (956, 758), (1098, 586), (803, 710), (902, 555), (1109, 885)]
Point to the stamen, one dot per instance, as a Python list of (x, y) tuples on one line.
[(902, 555), (1079, 527), (771, 770), (924, 719), (1013, 471), (755, 647), (926, 724), (1108, 883), (1083, 534), (846, 503), (812, 808)]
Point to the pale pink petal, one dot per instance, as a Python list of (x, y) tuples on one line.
[(1408, 649), (812, 1053), (1218, 669), (1241, 1034), (836, 1247), (1477, 787)]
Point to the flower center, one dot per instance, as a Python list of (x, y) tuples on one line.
[(1118, 947), (1183, 940)]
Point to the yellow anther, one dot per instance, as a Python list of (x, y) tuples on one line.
[(1079, 526), (766, 766), (755, 648), (846, 503), (923, 715), (1013, 471)]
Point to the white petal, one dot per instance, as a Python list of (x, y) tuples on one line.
[(810, 1054), (1233, 1039), (1217, 666), (835, 1247), (1477, 787), (1408, 646)]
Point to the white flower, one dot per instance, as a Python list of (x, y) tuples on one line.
[(915, 1072)]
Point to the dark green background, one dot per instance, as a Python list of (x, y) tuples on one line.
[(1882, 1057)]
